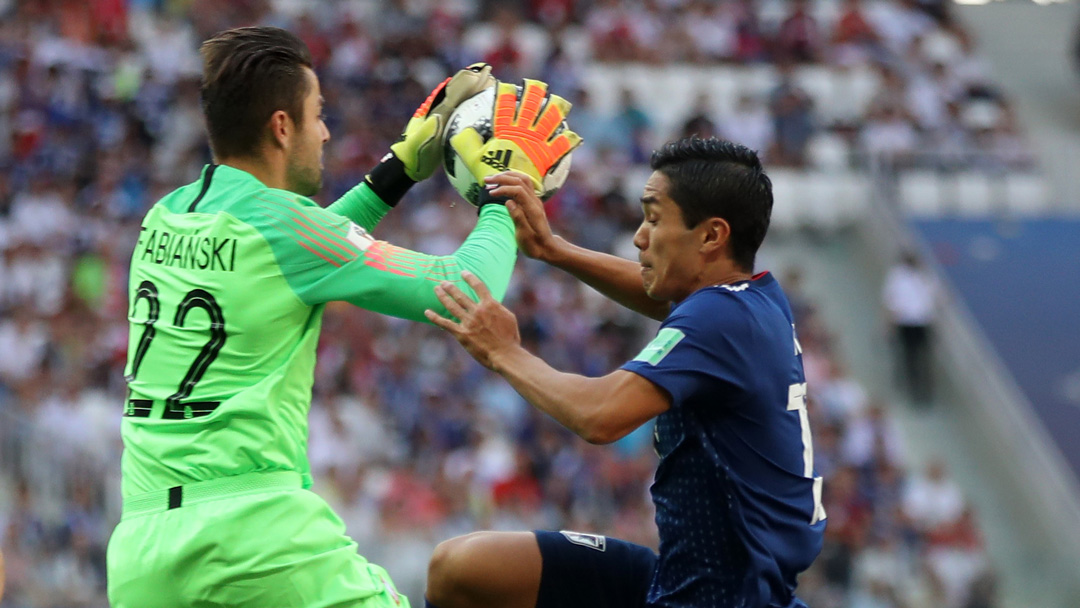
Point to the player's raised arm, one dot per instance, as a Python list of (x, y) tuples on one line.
[(615, 277), (325, 257), (416, 155), (599, 410)]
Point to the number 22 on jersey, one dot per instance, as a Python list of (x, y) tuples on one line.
[(176, 408)]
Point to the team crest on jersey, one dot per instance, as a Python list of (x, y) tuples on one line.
[(592, 541), (359, 237)]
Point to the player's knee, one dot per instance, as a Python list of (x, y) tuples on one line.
[(452, 571)]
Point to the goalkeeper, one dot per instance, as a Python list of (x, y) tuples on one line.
[(228, 282)]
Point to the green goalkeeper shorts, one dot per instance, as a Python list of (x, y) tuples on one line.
[(256, 540)]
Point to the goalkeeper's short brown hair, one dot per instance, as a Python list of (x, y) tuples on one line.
[(248, 74)]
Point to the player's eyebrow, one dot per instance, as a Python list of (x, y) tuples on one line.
[(649, 199)]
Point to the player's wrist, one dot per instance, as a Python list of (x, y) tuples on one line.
[(388, 179), (554, 251), (501, 360)]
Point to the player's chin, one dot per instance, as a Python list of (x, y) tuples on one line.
[(648, 283), (309, 184)]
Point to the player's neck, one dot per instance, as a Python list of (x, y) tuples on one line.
[(268, 171), (723, 274), (718, 274)]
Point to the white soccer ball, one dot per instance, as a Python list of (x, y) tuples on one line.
[(477, 112)]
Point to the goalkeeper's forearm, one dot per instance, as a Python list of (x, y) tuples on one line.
[(490, 250), (361, 205), (615, 277)]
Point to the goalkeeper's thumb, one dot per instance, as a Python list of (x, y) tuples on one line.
[(497, 155)]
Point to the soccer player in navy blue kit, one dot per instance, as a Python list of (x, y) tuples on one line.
[(738, 505)]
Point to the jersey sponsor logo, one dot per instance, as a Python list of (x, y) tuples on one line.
[(737, 288), (662, 344), (592, 541), (187, 251), (359, 237), (499, 159)]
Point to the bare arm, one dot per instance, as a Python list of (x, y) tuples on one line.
[(600, 410), (615, 277)]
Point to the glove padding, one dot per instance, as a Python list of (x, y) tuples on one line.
[(419, 146), (523, 137)]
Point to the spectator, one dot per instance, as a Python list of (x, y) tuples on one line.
[(749, 40), (889, 137), (750, 124), (932, 501), (900, 23), (855, 41), (910, 298), (792, 120), (700, 122), (632, 126), (799, 39), (611, 31), (711, 28)]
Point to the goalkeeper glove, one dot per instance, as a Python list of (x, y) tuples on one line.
[(523, 135), (416, 154)]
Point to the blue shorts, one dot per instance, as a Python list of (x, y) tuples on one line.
[(590, 571)]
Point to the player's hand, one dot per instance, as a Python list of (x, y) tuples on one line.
[(531, 227), (523, 138), (485, 327), (420, 143)]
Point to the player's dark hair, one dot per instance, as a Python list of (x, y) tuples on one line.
[(717, 178), (248, 74)]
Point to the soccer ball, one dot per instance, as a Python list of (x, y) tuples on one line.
[(477, 112)]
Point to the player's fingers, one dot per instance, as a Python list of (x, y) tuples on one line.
[(467, 143), (478, 286), (531, 205), (563, 144), (425, 107), (441, 321), (508, 178), (505, 106), (510, 192), (559, 102), (449, 301), (554, 113), (532, 100), (462, 299), (517, 215)]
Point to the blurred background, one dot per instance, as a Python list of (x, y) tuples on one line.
[(923, 155)]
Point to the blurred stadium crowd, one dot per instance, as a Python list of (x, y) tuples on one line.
[(411, 442)]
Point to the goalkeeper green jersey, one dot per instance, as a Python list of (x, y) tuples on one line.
[(228, 283)]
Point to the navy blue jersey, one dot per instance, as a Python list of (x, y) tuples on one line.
[(737, 499)]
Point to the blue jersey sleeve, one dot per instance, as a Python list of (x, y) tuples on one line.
[(697, 350)]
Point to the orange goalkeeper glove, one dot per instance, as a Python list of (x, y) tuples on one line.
[(524, 134)]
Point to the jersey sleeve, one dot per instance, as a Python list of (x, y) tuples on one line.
[(697, 350), (361, 206), (326, 257)]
